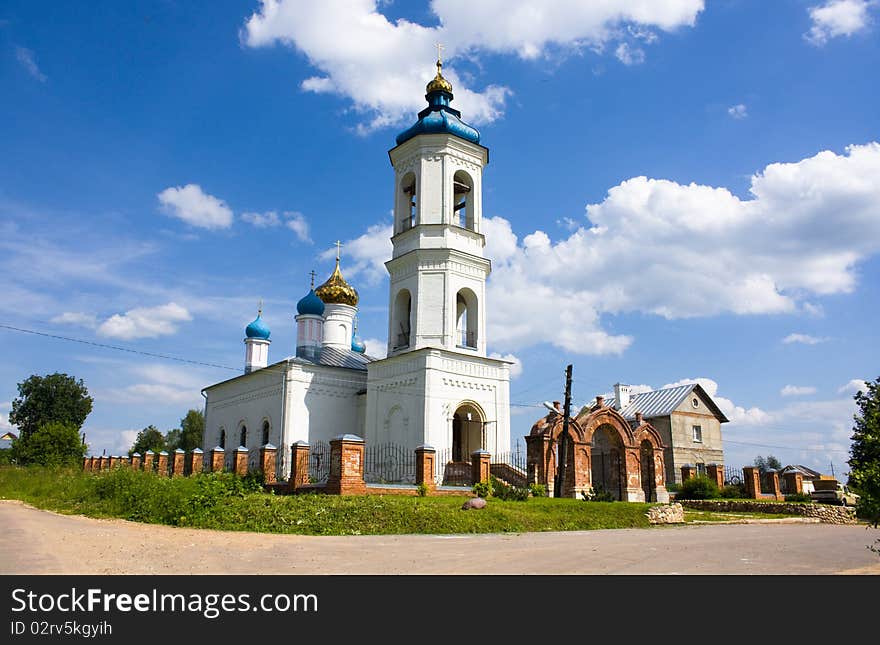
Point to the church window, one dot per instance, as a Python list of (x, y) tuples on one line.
[(466, 319), (400, 331), (407, 203), (243, 438), (463, 201), (222, 441), (265, 432)]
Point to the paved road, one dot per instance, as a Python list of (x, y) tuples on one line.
[(36, 541)]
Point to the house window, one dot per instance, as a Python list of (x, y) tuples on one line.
[(698, 434), (701, 469)]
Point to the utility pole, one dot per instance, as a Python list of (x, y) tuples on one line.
[(562, 449)]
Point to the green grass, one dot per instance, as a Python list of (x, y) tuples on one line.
[(691, 516), (223, 501)]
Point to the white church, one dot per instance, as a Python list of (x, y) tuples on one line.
[(437, 386)]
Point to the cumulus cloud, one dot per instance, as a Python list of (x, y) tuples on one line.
[(157, 383), (804, 339), (515, 369), (76, 318), (376, 348), (629, 55), (383, 65), (735, 413), (195, 207), (797, 390), (145, 322), (855, 385), (293, 220), (801, 234), (738, 111), (5, 409), (297, 223), (838, 18), (268, 219), (365, 256), (28, 61)]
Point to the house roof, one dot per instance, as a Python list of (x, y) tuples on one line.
[(333, 357), (660, 403), (9, 435), (809, 473)]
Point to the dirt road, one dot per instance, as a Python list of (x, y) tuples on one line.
[(40, 542)]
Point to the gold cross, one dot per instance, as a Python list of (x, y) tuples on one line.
[(439, 49), (338, 245), (260, 310)]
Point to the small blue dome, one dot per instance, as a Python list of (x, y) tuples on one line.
[(258, 329), (310, 304), (357, 345), (439, 117)]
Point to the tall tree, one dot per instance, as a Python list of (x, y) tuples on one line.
[(148, 439), (53, 444), (46, 399), (192, 428), (864, 461), (767, 463)]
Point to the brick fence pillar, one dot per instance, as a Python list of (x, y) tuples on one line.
[(425, 457), (688, 471), (195, 461), (299, 465), (480, 462), (240, 465), (162, 464), (773, 481), (177, 462), (539, 461), (267, 463), (87, 463), (794, 481), (90, 463), (218, 459), (136, 461), (114, 461), (752, 480), (149, 457), (715, 472), (346, 466)]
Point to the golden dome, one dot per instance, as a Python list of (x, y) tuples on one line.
[(336, 290), (439, 83)]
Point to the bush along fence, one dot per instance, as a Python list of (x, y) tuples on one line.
[(344, 466), (755, 485)]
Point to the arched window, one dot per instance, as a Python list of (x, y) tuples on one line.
[(265, 432), (406, 203), (466, 318), (463, 201), (400, 330), (222, 442), (243, 437)]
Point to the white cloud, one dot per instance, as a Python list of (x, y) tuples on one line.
[(837, 18), (26, 59), (195, 207), (262, 220), (804, 339), (738, 111), (801, 234), (366, 255), (629, 55), (797, 390), (383, 66), (855, 385), (5, 409), (145, 322), (76, 318), (735, 413), (160, 384), (376, 348), (298, 224), (516, 369)]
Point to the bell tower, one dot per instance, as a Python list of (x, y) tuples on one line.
[(437, 269)]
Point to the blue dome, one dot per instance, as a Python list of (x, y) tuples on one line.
[(257, 329), (357, 345), (438, 117), (310, 304)]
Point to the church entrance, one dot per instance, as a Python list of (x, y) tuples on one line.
[(607, 462), (468, 432)]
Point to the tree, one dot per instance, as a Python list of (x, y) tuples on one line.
[(864, 461), (148, 439), (47, 399), (768, 463), (192, 428), (53, 444), (172, 440)]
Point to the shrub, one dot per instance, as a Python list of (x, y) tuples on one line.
[(52, 444), (733, 491), (505, 491), (673, 487), (482, 489), (597, 494), (422, 489), (538, 490), (700, 487), (798, 497)]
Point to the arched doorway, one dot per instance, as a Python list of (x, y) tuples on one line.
[(468, 431), (607, 471), (646, 457)]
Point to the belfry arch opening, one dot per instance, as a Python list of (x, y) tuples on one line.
[(401, 325), (463, 214), (608, 462), (466, 319), (406, 203), (468, 431)]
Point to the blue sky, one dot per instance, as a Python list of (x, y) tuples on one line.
[(677, 190)]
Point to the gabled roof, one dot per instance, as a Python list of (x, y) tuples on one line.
[(660, 403), (808, 473), (9, 435)]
